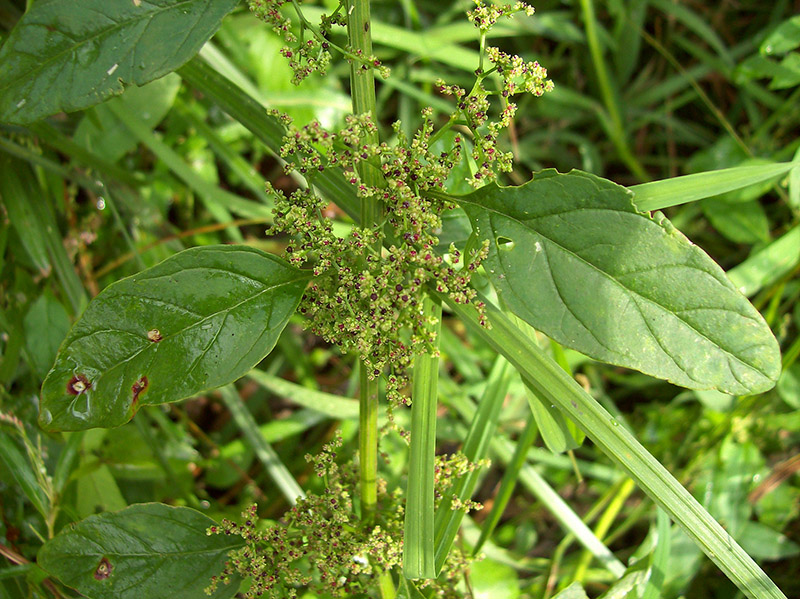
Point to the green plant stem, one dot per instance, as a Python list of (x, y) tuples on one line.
[(617, 129), (368, 444), (362, 91)]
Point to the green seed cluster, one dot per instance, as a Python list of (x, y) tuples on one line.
[(322, 545), (473, 108), (321, 531), (310, 51), (362, 298), (484, 16), (519, 76), (307, 53)]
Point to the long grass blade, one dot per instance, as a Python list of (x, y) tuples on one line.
[(476, 445), (657, 195), (418, 546), (508, 482), (768, 264), (263, 450), (331, 405), (557, 386)]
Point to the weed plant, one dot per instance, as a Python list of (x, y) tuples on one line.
[(559, 394)]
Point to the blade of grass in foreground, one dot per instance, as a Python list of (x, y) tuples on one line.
[(527, 475), (768, 264), (657, 195), (263, 450), (476, 444), (555, 385), (418, 548)]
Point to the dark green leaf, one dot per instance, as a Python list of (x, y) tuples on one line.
[(570, 255), (145, 550), (71, 55), (197, 321)]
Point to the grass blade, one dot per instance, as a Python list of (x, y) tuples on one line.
[(331, 405), (657, 195), (418, 546), (660, 559), (557, 386), (476, 445), (508, 482), (533, 482), (263, 450), (218, 201), (768, 264)]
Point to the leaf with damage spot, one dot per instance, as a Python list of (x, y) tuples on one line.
[(72, 55), (199, 320), (570, 255), (145, 550)]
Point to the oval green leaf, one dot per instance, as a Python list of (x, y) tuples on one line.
[(196, 321), (571, 256), (145, 550), (71, 55)]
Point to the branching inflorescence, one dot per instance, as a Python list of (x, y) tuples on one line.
[(324, 530), (366, 292)]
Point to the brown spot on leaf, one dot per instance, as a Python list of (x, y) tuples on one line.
[(103, 569), (138, 387), (78, 384), (154, 335)]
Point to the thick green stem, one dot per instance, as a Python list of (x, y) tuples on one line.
[(368, 444), (362, 90)]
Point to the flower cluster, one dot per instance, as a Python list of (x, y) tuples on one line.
[(310, 52), (473, 108), (519, 76), (324, 532), (362, 298), (305, 55), (484, 16)]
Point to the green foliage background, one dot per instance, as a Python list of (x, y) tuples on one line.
[(644, 90)]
